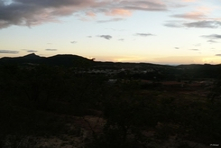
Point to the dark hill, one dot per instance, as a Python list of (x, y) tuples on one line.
[(68, 60), (57, 60), (32, 56)]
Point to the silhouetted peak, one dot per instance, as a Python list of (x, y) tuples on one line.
[(31, 56)]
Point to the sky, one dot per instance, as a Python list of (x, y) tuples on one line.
[(151, 31)]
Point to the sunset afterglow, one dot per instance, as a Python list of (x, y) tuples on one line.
[(159, 31)]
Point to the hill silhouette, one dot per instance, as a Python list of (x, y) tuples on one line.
[(167, 71), (66, 60), (32, 56)]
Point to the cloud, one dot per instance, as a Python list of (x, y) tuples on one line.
[(36, 12), (91, 14), (108, 37), (51, 49), (218, 55), (110, 20), (194, 49), (73, 42), (144, 34), (120, 39), (191, 15), (200, 17), (212, 36), (9, 51), (176, 47), (174, 24), (119, 12), (199, 13), (204, 24), (28, 50), (212, 41), (89, 36), (31, 50), (148, 5), (196, 24)]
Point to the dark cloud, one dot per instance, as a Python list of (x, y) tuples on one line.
[(108, 37), (110, 20), (203, 24), (73, 42), (148, 5), (35, 12), (9, 51), (212, 36), (31, 50), (174, 24), (131, 5), (218, 55), (51, 49), (144, 34), (197, 24), (176, 47)]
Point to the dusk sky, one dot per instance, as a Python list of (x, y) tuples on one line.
[(153, 31)]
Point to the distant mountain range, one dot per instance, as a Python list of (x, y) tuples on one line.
[(69, 60), (57, 60)]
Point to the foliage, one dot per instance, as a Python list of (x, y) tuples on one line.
[(37, 101)]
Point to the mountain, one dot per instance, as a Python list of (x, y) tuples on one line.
[(27, 59), (32, 56), (66, 60)]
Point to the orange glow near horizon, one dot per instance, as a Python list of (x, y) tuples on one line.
[(163, 60)]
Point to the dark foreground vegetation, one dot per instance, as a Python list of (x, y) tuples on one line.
[(50, 106)]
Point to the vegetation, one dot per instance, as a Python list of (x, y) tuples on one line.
[(41, 101)]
